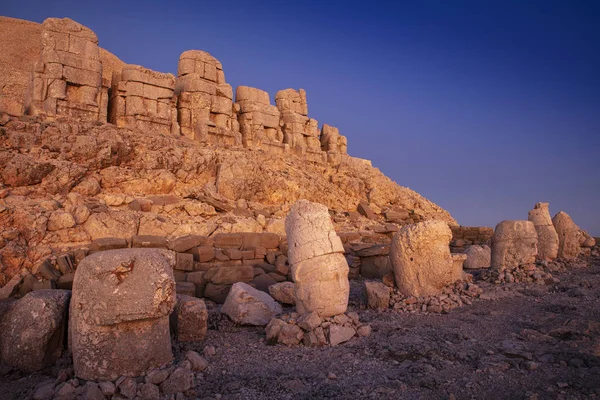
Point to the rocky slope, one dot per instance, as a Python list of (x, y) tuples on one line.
[(65, 182)]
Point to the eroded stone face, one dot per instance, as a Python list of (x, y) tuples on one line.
[(570, 236), (67, 81), (205, 110), (143, 99), (119, 314), (420, 254), (319, 268), (32, 331), (547, 236), (514, 245)]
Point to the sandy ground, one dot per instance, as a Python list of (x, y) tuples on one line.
[(520, 342)]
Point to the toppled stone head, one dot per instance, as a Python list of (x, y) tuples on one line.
[(319, 268)]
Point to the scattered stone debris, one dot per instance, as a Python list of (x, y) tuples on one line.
[(314, 331)]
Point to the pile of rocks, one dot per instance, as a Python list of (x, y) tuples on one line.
[(170, 380), (383, 297), (312, 330)]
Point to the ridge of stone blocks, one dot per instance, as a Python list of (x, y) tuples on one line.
[(205, 109), (143, 99), (67, 80)]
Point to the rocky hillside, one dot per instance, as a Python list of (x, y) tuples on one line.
[(65, 182)]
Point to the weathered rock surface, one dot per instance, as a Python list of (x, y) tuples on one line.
[(248, 306), (189, 319), (547, 236), (283, 292), (478, 256), (119, 314), (319, 268), (570, 236), (378, 295), (33, 329), (514, 246), (420, 254)]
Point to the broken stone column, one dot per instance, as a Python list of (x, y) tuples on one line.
[(32, 331), (300, 132), (258, 119), (514, 249), (119, 314), (547, 236), (316, 254), (420, 254), (571, 238), (67, 81), (205, 108), (142, 99)]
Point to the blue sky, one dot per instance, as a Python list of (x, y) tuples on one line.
[(484, 107)]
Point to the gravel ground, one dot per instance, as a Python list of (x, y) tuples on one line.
[(520, 342)]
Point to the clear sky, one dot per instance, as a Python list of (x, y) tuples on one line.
[(484, 107)]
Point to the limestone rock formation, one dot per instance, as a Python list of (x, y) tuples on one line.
[(547, 236), (570, 236), (258, 118), (420, 254), (248, 306), (119, 314), (32, 331), (478, 256), (283, 292), (378, 295), (319, 269), (67, 80), (514, 247)]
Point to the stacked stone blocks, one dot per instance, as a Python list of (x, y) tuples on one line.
[(143, 99), (67, 81)]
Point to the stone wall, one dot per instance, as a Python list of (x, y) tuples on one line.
[(197, 104), (463, 236), (143, 99), (67, 81)]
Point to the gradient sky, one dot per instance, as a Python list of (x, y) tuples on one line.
[(484, 107)]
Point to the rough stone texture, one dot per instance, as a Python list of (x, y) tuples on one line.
[(319, 268), (189, 319), (300, 132), (33, 329), (340, 334), (478, 256), (119, 314), (67, 79), (514, 245), (332, 141), (248, 306), (420, 254), (258, 119), (547, 236), (378, 295), (143, 99), (205, 109), (570, 237), (283, 292)]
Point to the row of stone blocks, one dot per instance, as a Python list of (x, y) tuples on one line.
[(198, 103)]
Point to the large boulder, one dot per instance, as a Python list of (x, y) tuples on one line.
[(478, 256), (420, 254), (316, 254), (571, 238), (119, 314), (514, 246), (547, 236), (248, 306), (33, 329)]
